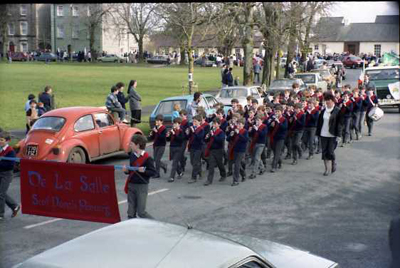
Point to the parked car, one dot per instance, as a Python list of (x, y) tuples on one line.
[(205, 63), (46, 57), (226, 94), (76, 135), (312, 79), (166, 107), (148, 243), (352, 62), (158, 60), (110, 58), (19, 56), (382, 77), (327, 76), (280, 85)]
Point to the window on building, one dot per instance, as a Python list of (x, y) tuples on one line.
[(377, 50), (23, 10), (316, 47), (11, 29), (24, 47), (75, 31), (75, 11), (24, 28), (60, 31), (60, 11)]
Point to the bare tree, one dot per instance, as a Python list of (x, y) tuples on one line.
[(188, 18), (139, 19)]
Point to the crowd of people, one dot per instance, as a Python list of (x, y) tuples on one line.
[(36, 108)]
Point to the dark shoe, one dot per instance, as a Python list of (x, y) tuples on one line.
[(333, 166), (192, 180), (326, 173), (317, 152), (310, 157), (171, 180), (273, 170), (342, 145), (235, 183), (180, 175), (222, 179), (251, 177), (288, 157), (229, 174), (165, 169), (279, 165), (244, 178), (369, 134), (15, 211), (294, 162), (156, 177), (300, 156), (207, 183), (261, 172)]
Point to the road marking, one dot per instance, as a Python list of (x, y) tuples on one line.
[(59, 219)]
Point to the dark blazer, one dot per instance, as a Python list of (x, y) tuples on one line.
[(335, 122)]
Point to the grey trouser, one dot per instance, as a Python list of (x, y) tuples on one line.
[(5, 199), (288, 144), (121, 112), (346, 129), (176, 154), (195, 160), (296, 146), (356, 122), (361, 122), (158, 154), (256, 163), (239, 166), (309, 134), (278, 148), (216, 159), (370, 124), (137, 199), (183, 158)]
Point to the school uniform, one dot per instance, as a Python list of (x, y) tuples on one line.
[(6, 176), (230, 147), (215, 151), (357, 104), (159, 143), (257, 146), (249, 123), (363, 111), (207, 128), (266, 154), (137, 184), (347, 113), (175, 152), (184, 126), (288, 139), (298, 129), (370, 102), (237, 153), (195, 146), (278, 135), (310, 128)]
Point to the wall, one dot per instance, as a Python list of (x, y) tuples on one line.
[(368, 47), (337, 47)]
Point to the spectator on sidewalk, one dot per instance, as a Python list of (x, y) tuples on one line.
[(257, 70), (121, 96), (113, 104), (27, 104), (134, 103), (47, 98)]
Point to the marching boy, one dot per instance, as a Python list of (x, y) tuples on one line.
[(176, 138), (137, 183), (195, 145), (215, 151), (299, 120), (6, 175), (159, 134), (240, 138), (258, 133), (279, 129), (184, 125)]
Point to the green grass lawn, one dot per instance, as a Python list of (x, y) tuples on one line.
[(86, 84)]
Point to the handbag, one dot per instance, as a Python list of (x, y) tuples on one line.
[(376, 113)]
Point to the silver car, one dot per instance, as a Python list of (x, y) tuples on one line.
[(146, 243), (226, 94)]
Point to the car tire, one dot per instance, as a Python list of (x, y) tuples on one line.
[(77, 155)]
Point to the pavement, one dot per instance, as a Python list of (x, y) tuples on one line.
[(343, 217)]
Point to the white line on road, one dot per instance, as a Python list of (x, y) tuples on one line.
[(59, 219)]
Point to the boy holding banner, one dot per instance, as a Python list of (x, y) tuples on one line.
[(137, 183), (6, 175)]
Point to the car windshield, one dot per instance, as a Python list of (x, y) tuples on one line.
[(167, 107), (282, 83), (385, 74), (49, 123), (307, 78), (233, 92)]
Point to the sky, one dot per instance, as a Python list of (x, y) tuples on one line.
[(364, 11)]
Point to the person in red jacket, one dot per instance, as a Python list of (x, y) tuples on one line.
[(6, 175)]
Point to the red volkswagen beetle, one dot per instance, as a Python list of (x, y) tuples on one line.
[(76, 135)]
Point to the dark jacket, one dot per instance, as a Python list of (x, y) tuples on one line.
[(136, 177), (280, 130), (219, 141), (46, 99), (228, 79), (6, 165), (262, 134), (312, 118), (335, 122), (300, 122), (177, 139), (159, 137), (122, 99), (241, 145), (196, 140)]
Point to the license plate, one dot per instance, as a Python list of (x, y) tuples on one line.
[(32, 150)]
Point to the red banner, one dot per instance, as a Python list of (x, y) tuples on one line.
[(71, 191)]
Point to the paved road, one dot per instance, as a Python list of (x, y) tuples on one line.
[(344, 217)]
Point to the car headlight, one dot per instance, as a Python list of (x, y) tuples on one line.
[(388, 96)]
